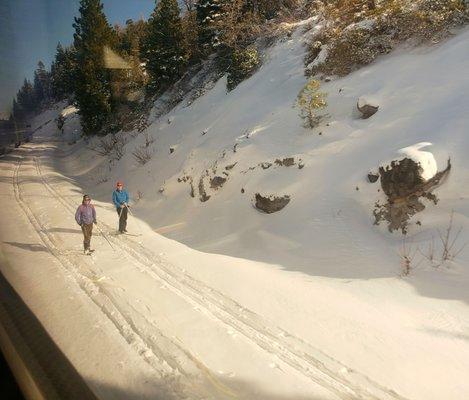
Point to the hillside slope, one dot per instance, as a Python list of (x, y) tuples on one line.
[(318, 268)]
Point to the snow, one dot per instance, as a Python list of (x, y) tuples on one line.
[(69, 111), (424, 158), (367, 100), (216, 300)]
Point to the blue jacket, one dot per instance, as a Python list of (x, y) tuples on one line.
[(120, 197)]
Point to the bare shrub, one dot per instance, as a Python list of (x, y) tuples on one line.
[(139, 196), (407, 254), (112, 144), (449, 249), (142, 154), (149, 140)]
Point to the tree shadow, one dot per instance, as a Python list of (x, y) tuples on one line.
[(64, 230), (28, 246)]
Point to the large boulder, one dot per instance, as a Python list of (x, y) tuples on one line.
[(271, 204), (404, 186), (400, 178)]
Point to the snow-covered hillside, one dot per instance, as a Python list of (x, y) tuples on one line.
[(319, 268), (258, 123)]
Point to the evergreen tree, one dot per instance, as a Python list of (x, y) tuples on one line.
[(163, 48), (16, 113), (25, 100), (62, 72), (208, 14), (191, 27), (131, 37), (92, 87), (41, 84)]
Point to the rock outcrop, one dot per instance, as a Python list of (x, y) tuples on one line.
[(404, 187), (271, 204)]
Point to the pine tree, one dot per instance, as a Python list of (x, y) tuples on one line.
[(92, 88), (63, 72), (191, 37), (16, 112), (208, 14), (130, 39), (41, 85), (25, 100), (163, 48)]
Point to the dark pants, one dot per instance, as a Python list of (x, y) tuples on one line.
[(87, 230), (122, 212)]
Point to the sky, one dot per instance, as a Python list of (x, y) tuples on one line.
[(31, 29)]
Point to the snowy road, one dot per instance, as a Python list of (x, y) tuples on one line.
[(127, 315)]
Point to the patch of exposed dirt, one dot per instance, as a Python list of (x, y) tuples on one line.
[(217, 182)]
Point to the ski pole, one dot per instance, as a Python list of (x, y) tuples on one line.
[(136, 220), (105, 237)]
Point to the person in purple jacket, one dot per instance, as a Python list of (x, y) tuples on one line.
[(86, 217)]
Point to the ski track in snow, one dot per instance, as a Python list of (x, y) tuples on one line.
[(310, 362), (158, 359)]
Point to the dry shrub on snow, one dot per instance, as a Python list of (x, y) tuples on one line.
[(143, 153), (112, 144), (357, 31)]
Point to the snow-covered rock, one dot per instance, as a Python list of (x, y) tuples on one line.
[(425, 159), (367, 106)]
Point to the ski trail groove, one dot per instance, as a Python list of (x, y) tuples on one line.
[(301, 356), (153, 355)]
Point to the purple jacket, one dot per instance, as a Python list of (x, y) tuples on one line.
[(86, 214)]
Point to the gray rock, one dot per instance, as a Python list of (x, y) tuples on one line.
[(271, 204), (366, 109), (372, 178)]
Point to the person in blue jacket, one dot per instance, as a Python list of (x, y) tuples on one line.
[(120, 198)]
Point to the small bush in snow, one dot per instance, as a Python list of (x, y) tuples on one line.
[(407, 254), (450, 248), (112, 144), (244, 62), (148, 139), (310, 100), (142, 154)]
